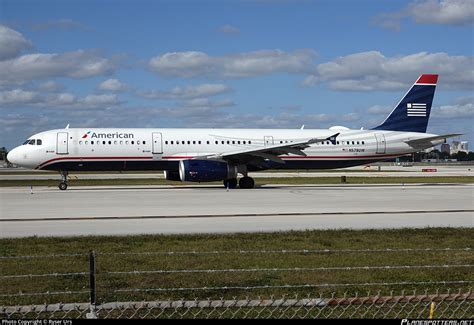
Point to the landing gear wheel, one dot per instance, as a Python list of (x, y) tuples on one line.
[(230, 183), (62, 186), (246, 182)]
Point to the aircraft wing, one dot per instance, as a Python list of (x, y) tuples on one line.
[(427, 141), (269, 152)]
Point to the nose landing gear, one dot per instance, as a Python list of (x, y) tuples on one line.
[(63, 185)]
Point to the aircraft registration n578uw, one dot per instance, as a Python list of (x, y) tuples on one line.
[(202, 155)]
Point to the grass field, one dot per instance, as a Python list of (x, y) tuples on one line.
[(137, 253), (258, 181)]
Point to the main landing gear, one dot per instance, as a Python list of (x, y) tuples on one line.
[(244, 182), (63, 185)]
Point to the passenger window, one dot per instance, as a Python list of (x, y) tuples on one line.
[(115, 142), (363, 142), (121, 142), (207, 142), (358, 142), (217, 142), (353, 142), (171, 142), (92, 142), (39, 142), (194, 142), (233, 142), (138, 142), (250, 142), (80, 142), (228, 142), (222, 142), (337, 142), (189, 142), (143, 142), (126, 142), (166, 142), (199, 142), (86, 142), (103, 142), (110, 142), (133, 142), (238, 142)]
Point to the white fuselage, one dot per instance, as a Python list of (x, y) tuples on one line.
[(77, 149)]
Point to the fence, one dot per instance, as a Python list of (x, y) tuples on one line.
[(339, 299)]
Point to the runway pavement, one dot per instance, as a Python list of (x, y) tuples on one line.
[(207, 209), (359, 171)]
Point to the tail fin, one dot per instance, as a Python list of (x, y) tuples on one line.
[(412, 112)]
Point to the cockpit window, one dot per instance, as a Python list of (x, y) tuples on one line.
[(26, 142), (32, 142), (39, 142)]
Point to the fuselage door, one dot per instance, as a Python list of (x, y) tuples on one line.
[(62, 143), (381, 145), (157, 142), (268, 140)]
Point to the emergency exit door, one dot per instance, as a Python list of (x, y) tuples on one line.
[(157, 142), (62, 144), (381, 145)]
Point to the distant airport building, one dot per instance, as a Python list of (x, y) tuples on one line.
[(445, 147), (458, 146)]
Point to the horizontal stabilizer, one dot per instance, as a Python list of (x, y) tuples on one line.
[(429, 140)]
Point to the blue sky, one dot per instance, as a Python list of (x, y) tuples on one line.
[(266, 64)]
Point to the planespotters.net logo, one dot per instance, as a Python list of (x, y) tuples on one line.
[(437, 322)]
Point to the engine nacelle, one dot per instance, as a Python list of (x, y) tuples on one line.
[(172, 176), (205, 170)]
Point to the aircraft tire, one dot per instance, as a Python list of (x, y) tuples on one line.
[(246, 182), (62, 186)]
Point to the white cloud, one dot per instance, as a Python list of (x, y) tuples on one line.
[(22, 98), (456, 111), (229, 29), (250, 64), (101, 100), (202, 102), (371, 70), (51, 86), (11, 43), (113, 85), (379, 109), (18, 97), (188, 92), (76, 64), (444, 12)]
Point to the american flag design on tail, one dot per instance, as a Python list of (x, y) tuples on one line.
[(416, 109)]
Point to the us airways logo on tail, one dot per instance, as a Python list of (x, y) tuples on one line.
[(115, 135), (416, 109)]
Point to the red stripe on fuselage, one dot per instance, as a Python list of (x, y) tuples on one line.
[(190, 157), (90, 158)]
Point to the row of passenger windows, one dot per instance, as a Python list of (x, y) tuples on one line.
[(208, 142), (250, 142), (121, 142), (37, 142)]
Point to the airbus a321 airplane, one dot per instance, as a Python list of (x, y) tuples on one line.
[(203, 155)]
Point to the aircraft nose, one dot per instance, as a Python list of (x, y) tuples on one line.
[(14, 156)]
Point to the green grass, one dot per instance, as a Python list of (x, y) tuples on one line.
[(259, 181), (340, 239)]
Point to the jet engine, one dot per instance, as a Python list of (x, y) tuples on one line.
[(205, 170)]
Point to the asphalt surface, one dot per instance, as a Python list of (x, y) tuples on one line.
[(120, 210)]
